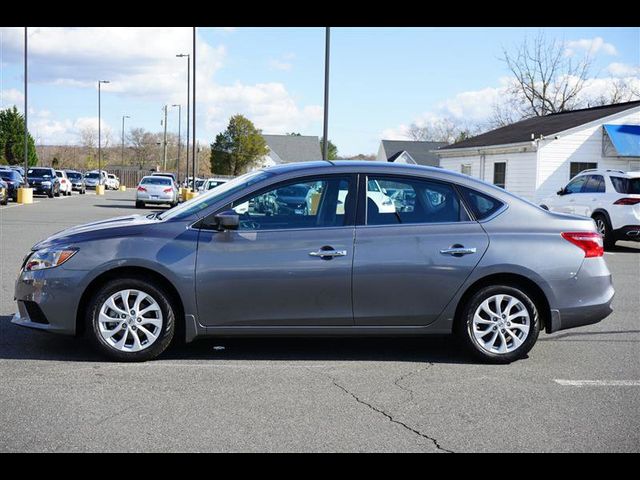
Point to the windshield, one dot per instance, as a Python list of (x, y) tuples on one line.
[(204, 200), (39, 172), (155, 181), (92, 175), (74, 175), (59, 174), (9, 175)]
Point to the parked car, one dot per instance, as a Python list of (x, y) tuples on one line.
[(18, 169), (77, 181), (44, 181), (113, 182), (610, 197), (212, 182), (14, 181), (470, 259), (4, 193), (156, 190), (65, 184), (94, 178)]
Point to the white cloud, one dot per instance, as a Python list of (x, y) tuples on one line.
[(590, 46), (617, 69), (282, 63), (141, 65), (11, 97)]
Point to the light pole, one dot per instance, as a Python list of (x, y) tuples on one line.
[(179, 138), (193, 147), (164, 142), (100, 135), (26, 131), (122, 154), (325, 142), (181, 55)]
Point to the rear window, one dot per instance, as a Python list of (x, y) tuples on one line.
[(626, 185), (482, 206), (92, 175), (74, 175), (156, 181)]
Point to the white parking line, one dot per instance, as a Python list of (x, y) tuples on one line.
[(598, 383)]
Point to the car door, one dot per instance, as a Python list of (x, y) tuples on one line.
[(289, 265), (591, 195), (567, 201), (409, 263)]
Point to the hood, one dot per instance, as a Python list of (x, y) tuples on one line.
[(113, 227)]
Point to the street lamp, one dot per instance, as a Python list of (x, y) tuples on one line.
[(99, 134), (325, 143), (122, 155), (193, 161), (182, 55), (179, 138)]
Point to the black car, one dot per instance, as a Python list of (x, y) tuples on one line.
[(4, 194), (14, 181), (44, 181), (77, 181)]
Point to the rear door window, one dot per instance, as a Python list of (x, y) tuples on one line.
[(594, 184)]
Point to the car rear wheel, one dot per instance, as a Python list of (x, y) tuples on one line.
[(131, 320), (499, 323), (604, 229)]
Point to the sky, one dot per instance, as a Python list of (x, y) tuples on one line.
[(381, 79)]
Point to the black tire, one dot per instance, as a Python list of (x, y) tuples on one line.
[(139, 204), (544, 207), (604, 228), (50, 194), (464, 324), (57, 193), (167, 329), (5, 200), (83, 191)]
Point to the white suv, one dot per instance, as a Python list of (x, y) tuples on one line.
[(610, 197)]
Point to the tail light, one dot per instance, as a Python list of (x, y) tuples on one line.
[(627, 201), (142, 189), (590, 242), (168, 190)]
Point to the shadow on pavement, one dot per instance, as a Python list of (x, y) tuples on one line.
[(18, 343)]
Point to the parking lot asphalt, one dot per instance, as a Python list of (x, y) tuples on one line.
[(578, 390)]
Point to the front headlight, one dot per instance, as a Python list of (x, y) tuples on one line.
[(48, 258), (46, 183)]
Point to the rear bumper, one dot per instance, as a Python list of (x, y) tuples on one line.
[(628, 232)]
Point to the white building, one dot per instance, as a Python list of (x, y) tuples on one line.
[(535, 157)]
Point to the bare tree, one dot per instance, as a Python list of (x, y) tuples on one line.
[(442, 130), (546, 79), (619, 90)]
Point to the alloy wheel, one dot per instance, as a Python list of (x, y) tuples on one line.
[(130, 320), (500, 324)]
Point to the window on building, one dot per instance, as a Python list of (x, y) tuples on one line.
[(465, 169), (500, 174), (577, 167)]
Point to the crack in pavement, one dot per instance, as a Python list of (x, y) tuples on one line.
[(397, 381), (391, 419)]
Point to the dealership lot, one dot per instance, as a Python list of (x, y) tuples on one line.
[(579, 390)]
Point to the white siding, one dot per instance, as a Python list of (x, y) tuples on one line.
[(582, 145), (520, 173)]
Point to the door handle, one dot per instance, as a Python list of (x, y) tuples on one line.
[(458, 251), (328, 253)]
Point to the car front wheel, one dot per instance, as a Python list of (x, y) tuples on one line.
[(131, 320), (499, 323)]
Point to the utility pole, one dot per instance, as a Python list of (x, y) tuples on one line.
[(100, 181), (181, 55), (26, 131), (164, 142), (325, 138), (179, 138), (122, 153)]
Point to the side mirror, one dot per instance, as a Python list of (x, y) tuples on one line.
[(228, 220), (561, 191)]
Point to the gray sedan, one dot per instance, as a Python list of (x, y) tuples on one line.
[(461, 256)]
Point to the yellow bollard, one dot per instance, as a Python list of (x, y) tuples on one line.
[(25, 195), (183, 193), (99, 189), (123, 188), (191, 195)]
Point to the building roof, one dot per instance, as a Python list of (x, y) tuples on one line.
[(295, 148), (547, 125), (421, 152)]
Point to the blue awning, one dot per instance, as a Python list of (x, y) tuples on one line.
[(625, 139)]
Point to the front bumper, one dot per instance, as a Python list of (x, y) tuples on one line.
[(48, 300)]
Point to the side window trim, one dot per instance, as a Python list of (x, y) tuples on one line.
[(350, 215)]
